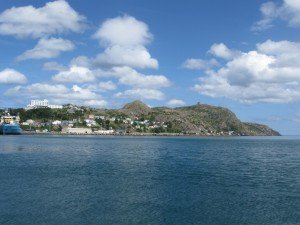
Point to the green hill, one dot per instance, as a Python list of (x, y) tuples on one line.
[(200, 118)]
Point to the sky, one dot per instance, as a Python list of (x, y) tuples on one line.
[(243, 55)]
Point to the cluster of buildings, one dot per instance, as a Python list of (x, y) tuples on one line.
[(89, 125)]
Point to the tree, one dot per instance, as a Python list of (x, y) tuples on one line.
[(107, 124)]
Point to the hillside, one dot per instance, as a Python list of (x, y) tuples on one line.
[(200, 118), (135, 117)]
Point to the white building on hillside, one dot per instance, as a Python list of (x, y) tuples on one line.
[(42, 104)]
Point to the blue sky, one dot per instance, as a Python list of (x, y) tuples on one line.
[(244, 55)]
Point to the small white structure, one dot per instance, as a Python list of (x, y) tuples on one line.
[(42, 104)]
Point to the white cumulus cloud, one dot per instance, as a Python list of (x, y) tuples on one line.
[(124, 39), (288, 10), (54, 18), (11, 76), (47, 48), (141, 94), (175, 103), (107, 86), (270, 73), (75, 74), (81, 61), (199, 64), (124, 31), (38, 89), (136, 57), (131, 77), (222, 51), (96, 103)]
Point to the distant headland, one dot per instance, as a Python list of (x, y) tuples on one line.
[(136, 118)]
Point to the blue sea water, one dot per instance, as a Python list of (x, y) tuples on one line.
[(149, 180)]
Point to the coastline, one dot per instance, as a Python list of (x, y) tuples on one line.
[(142, 134)]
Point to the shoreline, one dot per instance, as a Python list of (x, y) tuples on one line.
[(143, 134)]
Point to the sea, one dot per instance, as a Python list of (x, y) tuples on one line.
[(102, 180)]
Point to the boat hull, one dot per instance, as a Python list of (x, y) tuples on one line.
[(12, 129)]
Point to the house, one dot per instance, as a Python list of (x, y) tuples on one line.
[(56, 122), (112, 119), (100, 117), (90, 122)]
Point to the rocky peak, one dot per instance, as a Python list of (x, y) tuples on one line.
[(136, 108)]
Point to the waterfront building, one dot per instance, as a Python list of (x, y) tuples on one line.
[(107, 132), (69, 130)]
